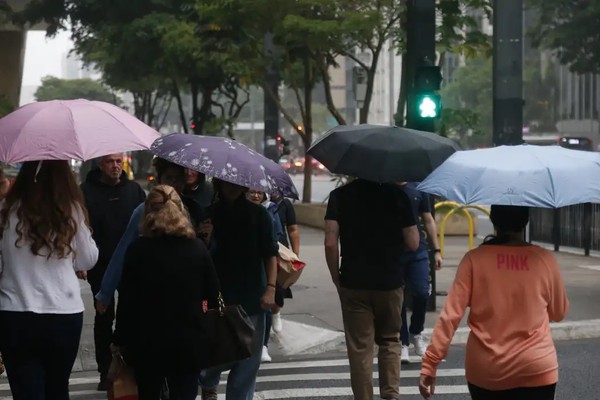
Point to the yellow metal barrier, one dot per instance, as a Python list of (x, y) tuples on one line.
[(458, 207)]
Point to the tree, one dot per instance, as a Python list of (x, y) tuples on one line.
[(159, 50), (53, 88), (467, 99), (570, 30), (467, 113), (6, 107)]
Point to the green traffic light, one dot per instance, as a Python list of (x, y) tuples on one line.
[(429, 106)]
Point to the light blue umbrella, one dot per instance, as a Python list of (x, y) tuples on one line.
[(524, 175)]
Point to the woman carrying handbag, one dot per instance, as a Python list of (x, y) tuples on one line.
[(167, 276)]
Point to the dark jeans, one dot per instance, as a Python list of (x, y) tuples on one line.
[(39, 351), (522, 393), (416, 277), (183, 386), (103, 325)]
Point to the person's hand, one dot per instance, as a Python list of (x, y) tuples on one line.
[(81, 275), (267, 301), (100, 307), (427, 386), (205, 230), (438, 260)]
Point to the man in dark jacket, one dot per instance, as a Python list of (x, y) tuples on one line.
[(110, 199)]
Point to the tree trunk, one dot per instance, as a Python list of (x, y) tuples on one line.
[(402, 97), (204, 112), (177, 95), (309, 78), (364, 111)]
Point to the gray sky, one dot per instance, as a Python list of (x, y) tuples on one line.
[(44, 56)]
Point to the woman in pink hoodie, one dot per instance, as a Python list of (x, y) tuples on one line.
[(513, 289)]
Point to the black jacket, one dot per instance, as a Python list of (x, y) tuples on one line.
[(109, 208), (159, 316)]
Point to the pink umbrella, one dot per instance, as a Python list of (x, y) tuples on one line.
[(70, 130)]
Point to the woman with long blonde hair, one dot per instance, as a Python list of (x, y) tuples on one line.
[(45, 245), (167, 275)]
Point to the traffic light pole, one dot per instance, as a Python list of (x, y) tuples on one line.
[(271, 112), (508, 72), (420, 52)]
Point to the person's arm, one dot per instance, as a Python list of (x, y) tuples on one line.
[(292, 226), (459, 298), (431, 229), (558, 303), (112, 276), (332, 250), (270, 251), (407, 220), (211, 283), (125, 317), (86, 251)]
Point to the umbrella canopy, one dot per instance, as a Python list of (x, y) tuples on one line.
[(382, 153), (227, 160), (70, 130), (524, 175)]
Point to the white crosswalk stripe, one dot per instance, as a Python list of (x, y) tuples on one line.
[(300, 380)]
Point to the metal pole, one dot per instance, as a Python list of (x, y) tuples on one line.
[(271, 112), (508, 72), (420, 51)]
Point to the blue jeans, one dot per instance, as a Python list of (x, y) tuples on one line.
[(241, 381), (39, 351), (417, 280)]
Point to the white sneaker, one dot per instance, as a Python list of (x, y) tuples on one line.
[(277, 323), (404, 356), (420, 346), (265, 357)]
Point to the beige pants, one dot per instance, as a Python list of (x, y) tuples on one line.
[(373, 316)]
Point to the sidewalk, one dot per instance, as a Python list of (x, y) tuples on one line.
[(313, 317)]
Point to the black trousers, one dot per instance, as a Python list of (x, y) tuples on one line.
[(182, 386), (522, 393), (103, 324), (39, 351)]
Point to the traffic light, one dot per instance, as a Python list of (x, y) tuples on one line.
[(283, 145), (429, 105)]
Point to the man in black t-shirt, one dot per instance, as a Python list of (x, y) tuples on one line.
[(374, 226)]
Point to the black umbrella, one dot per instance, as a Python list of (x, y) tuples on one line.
[(382, 153)]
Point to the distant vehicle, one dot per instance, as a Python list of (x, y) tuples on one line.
[(542, 139), (576, 143)]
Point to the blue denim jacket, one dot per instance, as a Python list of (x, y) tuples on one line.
[(112, 276)]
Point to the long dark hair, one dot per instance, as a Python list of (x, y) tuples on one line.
[(507, 221), (45, 198)]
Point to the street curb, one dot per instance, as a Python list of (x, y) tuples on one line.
[(569, 330), (298, 338)]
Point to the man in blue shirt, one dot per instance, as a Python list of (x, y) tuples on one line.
[(417, 272)]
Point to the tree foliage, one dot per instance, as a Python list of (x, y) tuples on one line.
[(53, 88), (570, 30)]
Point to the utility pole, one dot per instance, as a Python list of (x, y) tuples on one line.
[(508, 72), (420, 54), (271, 112)]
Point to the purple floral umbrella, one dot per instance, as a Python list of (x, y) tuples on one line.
[(225, 159)]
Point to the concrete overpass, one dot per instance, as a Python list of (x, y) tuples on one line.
[(12, 55)]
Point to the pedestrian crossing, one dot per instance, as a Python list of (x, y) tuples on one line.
[(300, 380)]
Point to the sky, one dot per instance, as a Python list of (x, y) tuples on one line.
[(44, 56)]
